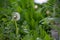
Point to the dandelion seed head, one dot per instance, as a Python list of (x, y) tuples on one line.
[(16, 16)]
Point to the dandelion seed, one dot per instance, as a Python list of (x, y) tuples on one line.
[(38, 38), (47, 12), (36, 6), (40, 1), (16, 16)]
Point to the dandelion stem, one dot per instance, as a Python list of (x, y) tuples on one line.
[(16, 31)]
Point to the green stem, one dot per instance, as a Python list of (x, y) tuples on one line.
[(16, 31)]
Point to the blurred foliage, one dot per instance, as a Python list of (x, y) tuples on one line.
[(34, 24)]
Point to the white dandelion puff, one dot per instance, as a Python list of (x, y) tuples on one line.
[(16, 16), (40, 1)]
